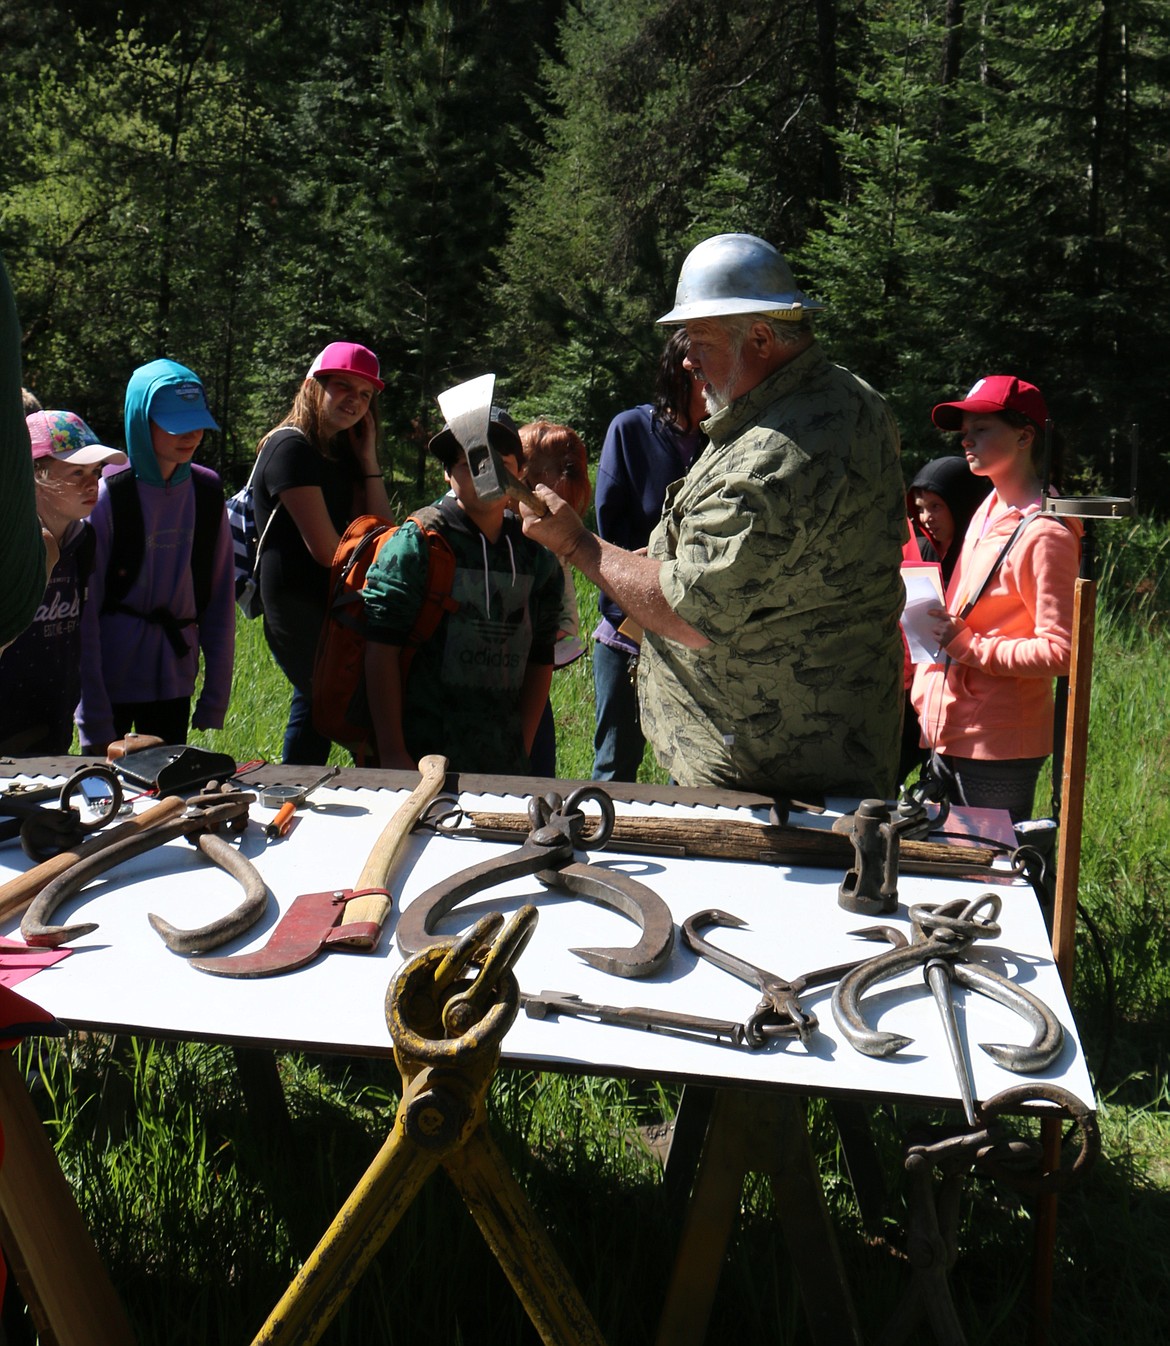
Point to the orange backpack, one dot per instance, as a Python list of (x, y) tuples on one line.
[(340, 710)]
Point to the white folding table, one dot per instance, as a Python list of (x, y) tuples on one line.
[(122, 978)]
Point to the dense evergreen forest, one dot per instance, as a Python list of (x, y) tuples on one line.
[(511, 185)]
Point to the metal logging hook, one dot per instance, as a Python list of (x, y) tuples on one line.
[(943, 935), (494, 947), (557, 828)]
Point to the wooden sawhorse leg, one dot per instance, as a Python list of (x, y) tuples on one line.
[(49, 1249), (756, 1132)]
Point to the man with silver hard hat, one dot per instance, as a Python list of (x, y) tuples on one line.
[(771, 590)]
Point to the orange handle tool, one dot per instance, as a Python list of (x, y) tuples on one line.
[(282, 822)]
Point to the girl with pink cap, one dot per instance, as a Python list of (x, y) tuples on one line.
[(315, 473), (40, 673)]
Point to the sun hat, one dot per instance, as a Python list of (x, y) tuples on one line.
[(181, 407), (66, 437), (992, 393), (347, 357)]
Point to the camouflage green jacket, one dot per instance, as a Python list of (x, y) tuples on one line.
[(782, 546)]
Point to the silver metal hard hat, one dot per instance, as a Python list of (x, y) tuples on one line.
[(736, 273)]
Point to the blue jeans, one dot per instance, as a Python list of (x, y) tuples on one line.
[(543, 757), (303, 745), (618, 741)]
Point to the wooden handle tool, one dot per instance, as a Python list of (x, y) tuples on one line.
[(387, 851), (737, 839)]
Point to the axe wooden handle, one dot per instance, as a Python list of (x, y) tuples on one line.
[(737, 839), (388, 850), (522, 491), (17, 893)]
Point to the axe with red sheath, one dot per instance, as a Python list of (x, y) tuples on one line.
[(350, 918)]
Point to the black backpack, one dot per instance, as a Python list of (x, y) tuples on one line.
[(128, 548)]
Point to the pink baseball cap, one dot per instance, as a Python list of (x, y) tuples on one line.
[(347, 357), (66, 437), (994, 392)]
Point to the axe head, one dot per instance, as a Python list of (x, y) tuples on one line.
[(479, 434), (313, 924)]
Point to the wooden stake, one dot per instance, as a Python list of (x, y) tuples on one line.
[(1072, 790), (53, 1258), (1064, 920)]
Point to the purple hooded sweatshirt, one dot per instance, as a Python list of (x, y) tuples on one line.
[(125, 658)]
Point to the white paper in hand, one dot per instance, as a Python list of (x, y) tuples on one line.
[(923, 581)]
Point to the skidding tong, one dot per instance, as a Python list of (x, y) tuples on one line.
[(198, 819), (556, 828)]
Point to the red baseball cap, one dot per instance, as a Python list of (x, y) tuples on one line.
[(994, 392), (347, 357)]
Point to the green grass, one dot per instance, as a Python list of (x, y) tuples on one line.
[(202, 1221)]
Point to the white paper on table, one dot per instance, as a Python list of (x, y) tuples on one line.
[(923, 581)]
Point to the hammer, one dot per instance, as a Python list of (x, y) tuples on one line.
[(467, 409)]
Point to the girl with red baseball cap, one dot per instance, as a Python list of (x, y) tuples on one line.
[(986, 709)]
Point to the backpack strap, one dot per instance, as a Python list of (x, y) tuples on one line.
[(208, 522), (437, 600), (995, 565), (250, 488), (127, 538), (85, 554)]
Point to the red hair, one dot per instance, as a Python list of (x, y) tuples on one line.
[(554, 456)]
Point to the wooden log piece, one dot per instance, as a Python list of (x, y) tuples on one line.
[(739, 839)]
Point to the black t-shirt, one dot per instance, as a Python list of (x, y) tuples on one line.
[(294, 587)]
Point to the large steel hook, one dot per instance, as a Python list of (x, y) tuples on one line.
[(557, 827)]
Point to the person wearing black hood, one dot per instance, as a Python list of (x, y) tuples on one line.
[(940, 502)]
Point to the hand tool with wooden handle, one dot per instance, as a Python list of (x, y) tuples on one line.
[(17, 893), (341, 918)]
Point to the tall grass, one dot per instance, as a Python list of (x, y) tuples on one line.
[(203, 1222)]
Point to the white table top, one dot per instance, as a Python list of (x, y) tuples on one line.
[(122, 977)]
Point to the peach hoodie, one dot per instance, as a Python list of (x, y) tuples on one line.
[(994, 701)]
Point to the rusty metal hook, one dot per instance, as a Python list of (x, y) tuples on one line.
[(781, 998), (204, 814), (557, 827), (943, 934)]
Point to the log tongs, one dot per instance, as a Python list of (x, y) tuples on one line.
[(199, 822), (942, 936), (558, 828)]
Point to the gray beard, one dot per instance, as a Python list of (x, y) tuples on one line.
[(720, 397)]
